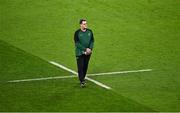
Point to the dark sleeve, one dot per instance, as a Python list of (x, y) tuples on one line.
[(91, 45), (76, 41)]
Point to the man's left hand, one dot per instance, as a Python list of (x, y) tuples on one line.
[(88, 51)]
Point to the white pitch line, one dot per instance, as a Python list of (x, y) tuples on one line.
[(38, 79), (67, 69), (98, 83), (63, 67), (120, 72), (97, 74)]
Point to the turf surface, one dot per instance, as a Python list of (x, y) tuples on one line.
[(128, 34)]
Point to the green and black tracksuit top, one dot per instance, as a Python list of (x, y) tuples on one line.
[(83, 40)]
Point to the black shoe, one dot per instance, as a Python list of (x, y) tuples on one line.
[(82, 84)]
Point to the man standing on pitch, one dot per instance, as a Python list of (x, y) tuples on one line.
[(84, 42)]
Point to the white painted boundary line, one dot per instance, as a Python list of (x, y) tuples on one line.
[(67, 69), (63, 67), (120, 72), (94, 81), (98, 83), (96, 74), (38, 79)]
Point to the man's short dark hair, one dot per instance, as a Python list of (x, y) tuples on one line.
[(81, 20)]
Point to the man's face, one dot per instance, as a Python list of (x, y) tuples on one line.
[(84, 25)]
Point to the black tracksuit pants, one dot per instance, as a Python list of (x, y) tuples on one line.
[(82, 64)]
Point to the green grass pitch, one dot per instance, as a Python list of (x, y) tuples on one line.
[(129, 35)]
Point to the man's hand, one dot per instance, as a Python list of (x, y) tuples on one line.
[(88, 51)]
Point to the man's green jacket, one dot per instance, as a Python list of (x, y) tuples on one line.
[(83, 40)]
